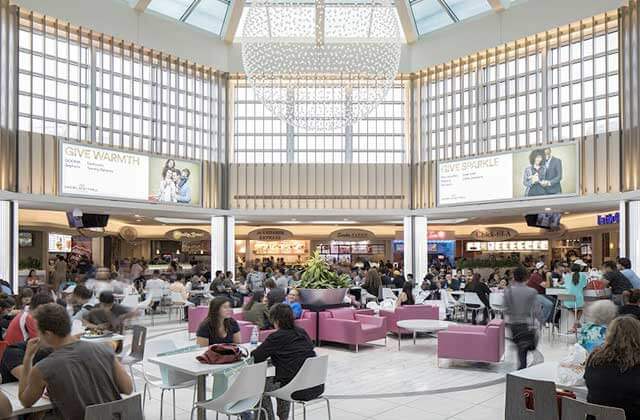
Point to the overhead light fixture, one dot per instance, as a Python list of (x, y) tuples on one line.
[(242, 222), (333, 222), (138, 216), (447, 221), (567, 212), (547, 209), (289, 222), (138, 220), (179, 221)]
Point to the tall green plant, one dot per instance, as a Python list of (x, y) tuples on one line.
[(318, 276)]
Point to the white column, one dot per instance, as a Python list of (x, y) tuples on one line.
[(222, 243), (9, 243), (415, 247), (630, 232)]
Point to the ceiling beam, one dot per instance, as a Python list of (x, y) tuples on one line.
[(406, 20), (232, 21), (141, 5)]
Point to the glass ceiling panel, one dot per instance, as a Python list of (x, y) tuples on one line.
[(172, 8), (429, 16), (464, 9), (209, 15)]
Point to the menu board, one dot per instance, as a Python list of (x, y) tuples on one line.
[(59, 243)]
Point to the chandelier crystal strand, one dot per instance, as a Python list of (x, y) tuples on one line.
[(321, 65)]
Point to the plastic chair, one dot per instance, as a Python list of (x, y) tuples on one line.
[(130, 301), (177, 303), (243, 394), (544, 397), (169, 380), (578, 410), (137, 350), (126, 408), (472, 303), (386, 293), (312, 373)]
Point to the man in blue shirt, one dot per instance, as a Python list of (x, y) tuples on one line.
[(625, 263)]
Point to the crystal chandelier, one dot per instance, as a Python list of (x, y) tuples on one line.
[(318, 65)]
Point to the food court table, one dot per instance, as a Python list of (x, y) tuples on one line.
[(186, 363), (548, 371), (421, 325), (10, 390), (103, 339)]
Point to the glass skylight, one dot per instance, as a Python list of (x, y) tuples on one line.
[(209, 15), (431, 15), (205, 14)]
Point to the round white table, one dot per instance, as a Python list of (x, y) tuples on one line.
[(421, 325)]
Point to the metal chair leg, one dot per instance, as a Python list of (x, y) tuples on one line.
[(161, 402), (144, 396), (328, 408), (174, 404), (193, 410), (133, 379), (304, 411)]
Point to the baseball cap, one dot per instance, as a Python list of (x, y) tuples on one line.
[(580, 262)]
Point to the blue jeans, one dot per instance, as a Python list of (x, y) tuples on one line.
[(547, 307)]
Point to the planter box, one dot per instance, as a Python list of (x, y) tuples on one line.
[(322, 296)]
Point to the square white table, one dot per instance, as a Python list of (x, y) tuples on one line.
[(187, 364), (11, 392), (548, 371), (421, 325)]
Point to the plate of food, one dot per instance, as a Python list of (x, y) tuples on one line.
[(96, 333)]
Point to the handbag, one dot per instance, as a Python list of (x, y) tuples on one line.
[(222, 354), (529, 398)]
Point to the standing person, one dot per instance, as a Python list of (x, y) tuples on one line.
[(136, 270), (538, 282), (59, 273), (552, 173), (90, 370), (625, 269), (282, 282), (575, 284), (288, 348), (218, 327), (255, 279), (612, 372), (520, 302), (616, 280)]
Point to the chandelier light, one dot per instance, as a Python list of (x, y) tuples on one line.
[(318, 65)]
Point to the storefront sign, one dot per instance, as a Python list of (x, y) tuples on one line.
[(494, 234), (531, 173), (609, 219), (107, 173), (187, 235), (270, 235), (352, 235), (508, 246), (441, 235)]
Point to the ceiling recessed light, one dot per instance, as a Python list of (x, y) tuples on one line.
[(333, 222), (288, 222), (178, 221), (547, 209), (138, 220), (566, 212), (447, 221), (138, 216)]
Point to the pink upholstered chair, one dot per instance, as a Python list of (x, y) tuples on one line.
[(408, 312), (347, 326), (197, 314), (479, 343), (307, 322)]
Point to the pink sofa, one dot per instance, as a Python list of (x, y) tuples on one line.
[(197, 314), (348, 326), (479, 343), (307, 322), (408, 312)]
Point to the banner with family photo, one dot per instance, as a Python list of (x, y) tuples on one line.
[(540, 172), (98, 172)]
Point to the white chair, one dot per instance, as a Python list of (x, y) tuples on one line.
[(130, 301), (496, 300), (166, 380), (243, 395), (177, 304), (472, 303), (388, 294), (312, 373)]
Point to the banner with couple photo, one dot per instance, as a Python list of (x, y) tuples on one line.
[(107, 173), (540, 172)]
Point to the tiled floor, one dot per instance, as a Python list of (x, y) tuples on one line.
[(379, 371)]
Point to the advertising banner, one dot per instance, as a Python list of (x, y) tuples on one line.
[(106, 173), (531, 173)]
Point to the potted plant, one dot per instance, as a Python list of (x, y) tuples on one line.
[(320, 286)]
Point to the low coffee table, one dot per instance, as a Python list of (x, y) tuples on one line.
[(421, 325)]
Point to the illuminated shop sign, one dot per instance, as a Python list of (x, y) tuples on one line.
[(609, 219)]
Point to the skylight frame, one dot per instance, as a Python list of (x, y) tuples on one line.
[(193, 6), (445, 10)]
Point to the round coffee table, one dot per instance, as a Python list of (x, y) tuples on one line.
[(421, 325)]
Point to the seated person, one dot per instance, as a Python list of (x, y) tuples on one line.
[(612, 372), (597, 317), (79, 302), (421, 294), (23, 326), (256, 310), (293, 300), (108, 315), (406, 295), (5, 406), (288, 347), (8, 311), (90, 370), (11, 364), (24, 298), (632, 303), (218, 327), (274, 294)]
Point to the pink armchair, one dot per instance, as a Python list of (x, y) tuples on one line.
[(408, 312), (479, 343), (307, 322), (197, 314), (347, 326)]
